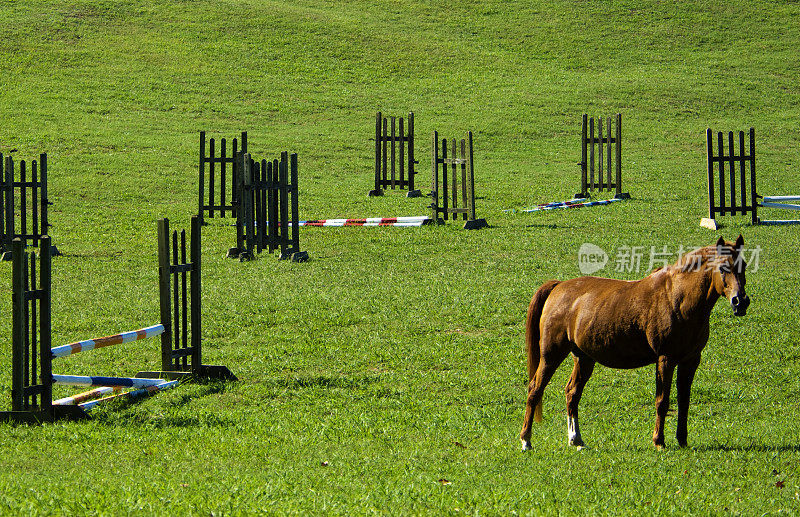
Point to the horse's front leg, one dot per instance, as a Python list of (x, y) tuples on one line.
[(664, 370), (683, 383)]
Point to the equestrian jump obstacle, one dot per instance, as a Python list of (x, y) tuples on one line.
[(733, 191), (461, 157), (573, 203), (222, 195), (410, 221), (608, 149), (779, 202), (257, 194), (394, 155), (32, 207), (267, 211), (32, 354)]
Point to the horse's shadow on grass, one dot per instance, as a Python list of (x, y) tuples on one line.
[(753, 447), (322, 381), (553, 226)]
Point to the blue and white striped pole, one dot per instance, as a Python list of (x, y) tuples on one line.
[(122, 382), (87, 406)]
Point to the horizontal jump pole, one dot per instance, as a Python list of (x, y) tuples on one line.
[(122, 382), (116, 339), (781, 198), (554, 204), (570, 202), (787, 206), (86, 406), (572, 205), (86, 395), (371, 221), (780, 222), (408, 221)]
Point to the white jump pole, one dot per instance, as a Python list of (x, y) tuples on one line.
[(781, 198), (409, 221), (779, 222), (787, 206)]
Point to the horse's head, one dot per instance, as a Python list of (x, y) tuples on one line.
[(728, 274)]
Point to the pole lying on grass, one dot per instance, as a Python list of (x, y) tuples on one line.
[(411, 221), (86, 395), (553, 204), (568, 204), (86, 406), (122, 382), (407, 221)]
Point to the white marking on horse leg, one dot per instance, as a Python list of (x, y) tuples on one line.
[(573, 431)]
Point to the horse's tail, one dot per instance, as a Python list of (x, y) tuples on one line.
[(532, 334)]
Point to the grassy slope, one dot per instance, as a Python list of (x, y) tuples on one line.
[(396, 355)]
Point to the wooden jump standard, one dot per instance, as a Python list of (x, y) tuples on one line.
[(261, 195), (23, 201), (394, 155), (732, 181), (220, 196), (598, 149), (459, 163), (32, 354), (267, 213)]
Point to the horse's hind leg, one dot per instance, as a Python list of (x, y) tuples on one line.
[(584, 366), (548, 364)]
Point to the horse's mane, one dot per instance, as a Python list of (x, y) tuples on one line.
[(695, 259)]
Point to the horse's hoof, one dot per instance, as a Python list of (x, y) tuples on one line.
[(577, 442), (526, 446), (660, 447)]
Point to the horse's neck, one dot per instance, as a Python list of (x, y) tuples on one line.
[(693, 292)]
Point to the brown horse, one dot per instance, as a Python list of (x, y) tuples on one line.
[(661, 319)]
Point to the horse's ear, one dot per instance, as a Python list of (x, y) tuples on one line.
[(721, 242), (740, 241)]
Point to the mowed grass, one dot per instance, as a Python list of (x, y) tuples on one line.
[(387, 374)]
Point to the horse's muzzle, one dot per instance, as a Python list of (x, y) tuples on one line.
[(740, 304)]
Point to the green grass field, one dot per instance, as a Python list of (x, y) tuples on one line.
[(387, 375)]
